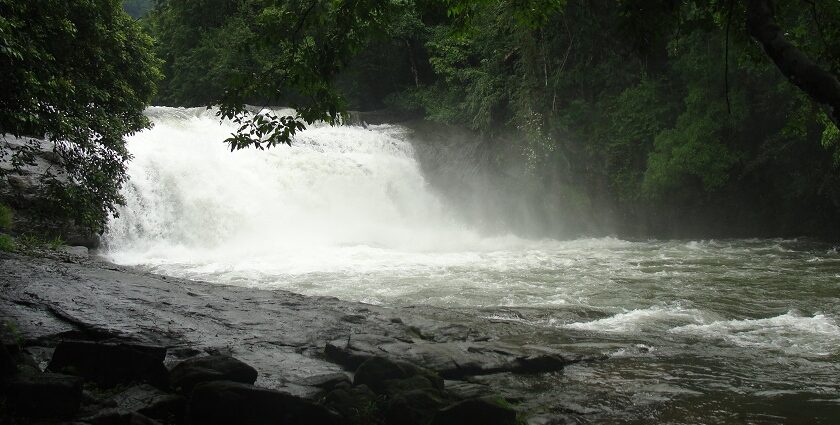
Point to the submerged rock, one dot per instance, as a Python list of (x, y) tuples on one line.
[(226, 402), (110, 363), (191, 372)]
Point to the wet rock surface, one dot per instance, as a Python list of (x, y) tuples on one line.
[(477, 411), (110, 363), (27, 166), (452, 360), (179, 350), (226, 402), (189, 373)]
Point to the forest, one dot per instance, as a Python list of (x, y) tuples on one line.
[(640, 118), (419, 212), (658, 118)]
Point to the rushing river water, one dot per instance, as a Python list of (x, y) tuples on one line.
[(732, 331)]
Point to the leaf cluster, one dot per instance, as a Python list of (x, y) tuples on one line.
[(78, 74)]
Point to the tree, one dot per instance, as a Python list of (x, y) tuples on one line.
[(818, 83), (78, 73)]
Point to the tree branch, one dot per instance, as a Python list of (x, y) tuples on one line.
[(821, 85)]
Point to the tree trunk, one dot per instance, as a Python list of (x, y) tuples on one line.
[(821, 85)]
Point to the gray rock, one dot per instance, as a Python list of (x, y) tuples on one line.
[(226, 402), (414, 407), (189, 373), (477, 411), (326, 381), (377, 372), (44, 395), (280, 334), (23, 188), (152, 402), (463, 390), (81, 251), (119, 417), (452, 360), (356, 405), (110, 363), (352, 352)]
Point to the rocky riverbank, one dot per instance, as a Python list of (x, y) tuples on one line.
[(113, 344)]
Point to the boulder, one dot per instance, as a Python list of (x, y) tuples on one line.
[(377, 371), (413, 407), (477, 411), (110, 363), (151, 402), (352, 352), (189, 373), (326, 381), (357, 405), (44, 395), (227, 402), (79, 251)]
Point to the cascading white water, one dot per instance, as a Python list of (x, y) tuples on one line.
[(318, 205)]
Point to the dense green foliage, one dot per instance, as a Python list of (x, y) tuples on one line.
[(647, 117), (262, 52), (80, 74)]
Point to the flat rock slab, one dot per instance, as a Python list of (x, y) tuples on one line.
[(452, 360), (281, 334)]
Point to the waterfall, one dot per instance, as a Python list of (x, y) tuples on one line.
[(335, 191)]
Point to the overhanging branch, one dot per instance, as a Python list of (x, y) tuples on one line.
[(821, 85)]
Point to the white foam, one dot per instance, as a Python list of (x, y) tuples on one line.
[(643, 319), (336, 198), (791, 332)]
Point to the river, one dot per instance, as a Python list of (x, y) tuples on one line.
[(712, 331)]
